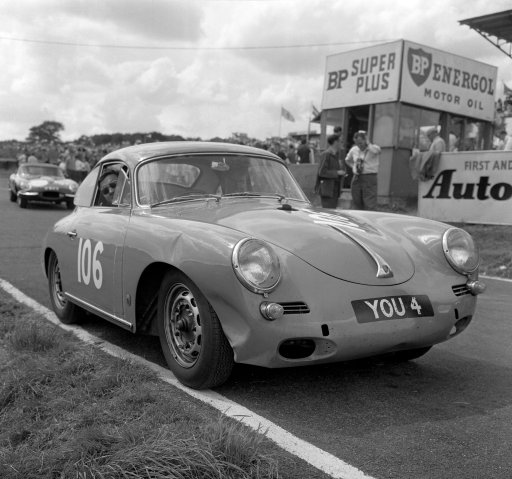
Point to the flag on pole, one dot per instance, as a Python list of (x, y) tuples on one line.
[(315, 111), (506, 90), (286, 114)]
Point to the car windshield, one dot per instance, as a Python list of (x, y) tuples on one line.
[(41, 170), (197, 176)]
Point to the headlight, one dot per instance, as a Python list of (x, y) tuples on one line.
[(460, 250), (73, 187), (256, 265)]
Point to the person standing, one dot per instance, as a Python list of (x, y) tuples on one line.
[(437, 144), (507, 144), (280, 152), (364, 158), (291, 155), (304, 152), (330, 174)]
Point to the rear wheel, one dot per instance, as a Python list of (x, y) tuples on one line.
[(67, 312), (191, 336)]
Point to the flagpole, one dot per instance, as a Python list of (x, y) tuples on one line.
[(280, 119)]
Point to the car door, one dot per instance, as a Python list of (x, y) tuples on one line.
[(98, 234)]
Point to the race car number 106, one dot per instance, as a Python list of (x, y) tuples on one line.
[(392, 307), (89, 264)]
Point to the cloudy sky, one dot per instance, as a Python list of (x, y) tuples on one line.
[(202, 67)]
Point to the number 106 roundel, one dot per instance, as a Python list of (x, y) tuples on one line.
[(215, 249)]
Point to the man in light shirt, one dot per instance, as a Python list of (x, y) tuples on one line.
[(437, 144), (507, 141), (364, 159)]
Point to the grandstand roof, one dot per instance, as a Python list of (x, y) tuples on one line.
[(495, 28)]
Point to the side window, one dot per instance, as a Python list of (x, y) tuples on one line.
[(113, 186), (85, 192)]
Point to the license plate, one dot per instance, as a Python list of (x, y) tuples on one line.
[(392, 307)]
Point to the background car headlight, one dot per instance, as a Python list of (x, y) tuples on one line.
[(460, 250), (256, 265)]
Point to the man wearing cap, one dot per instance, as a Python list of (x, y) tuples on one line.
[(364, 159)]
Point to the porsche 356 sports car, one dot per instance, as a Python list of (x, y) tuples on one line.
[(216, 249), (41, 182)]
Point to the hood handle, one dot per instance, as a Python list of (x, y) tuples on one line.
[(383, 268)]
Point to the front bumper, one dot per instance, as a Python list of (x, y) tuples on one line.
[(325, 317), (46, 196)]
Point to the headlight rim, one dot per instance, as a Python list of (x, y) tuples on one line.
[(238, 271), (448, 255)]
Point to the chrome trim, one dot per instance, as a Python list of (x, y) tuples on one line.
[(100, 312), (476, 287), (448, 256), (243, 280), (383, 268), (460, 289), (295, 307)]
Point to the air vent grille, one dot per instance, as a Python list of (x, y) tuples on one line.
[(460, 290), (297, 307)]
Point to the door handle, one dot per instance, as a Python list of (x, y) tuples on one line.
[(72, 234)]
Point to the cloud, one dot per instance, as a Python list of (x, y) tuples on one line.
[(96, 21), (188, 67)]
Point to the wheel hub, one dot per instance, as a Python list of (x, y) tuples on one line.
[(183, 326)]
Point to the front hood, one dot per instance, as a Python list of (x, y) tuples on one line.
[(340, 244)]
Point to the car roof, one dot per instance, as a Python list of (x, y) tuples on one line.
[(137, 153)]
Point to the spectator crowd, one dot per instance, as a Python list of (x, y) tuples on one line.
[(77, 158)]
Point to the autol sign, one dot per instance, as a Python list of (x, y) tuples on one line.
[(471, 187), (447, 82), (413, 74)]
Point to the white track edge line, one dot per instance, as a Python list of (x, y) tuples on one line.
[(309, 453), (496, 278)]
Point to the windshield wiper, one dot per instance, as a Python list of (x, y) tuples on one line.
[(265, 195), (241, 193), (178, 199)]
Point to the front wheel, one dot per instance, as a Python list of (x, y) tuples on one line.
[(69, 204), (191, 336), (67, 312), (22, 201), (409, 354), (13, 196)]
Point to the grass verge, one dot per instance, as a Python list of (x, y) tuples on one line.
[(69, 410)]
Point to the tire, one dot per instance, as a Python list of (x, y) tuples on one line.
[(69, 204), (409, 354), (67, 312), (191, 336), (13, 196), (22, 202)]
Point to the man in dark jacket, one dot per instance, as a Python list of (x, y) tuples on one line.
[(330, 173), (304, 152)]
